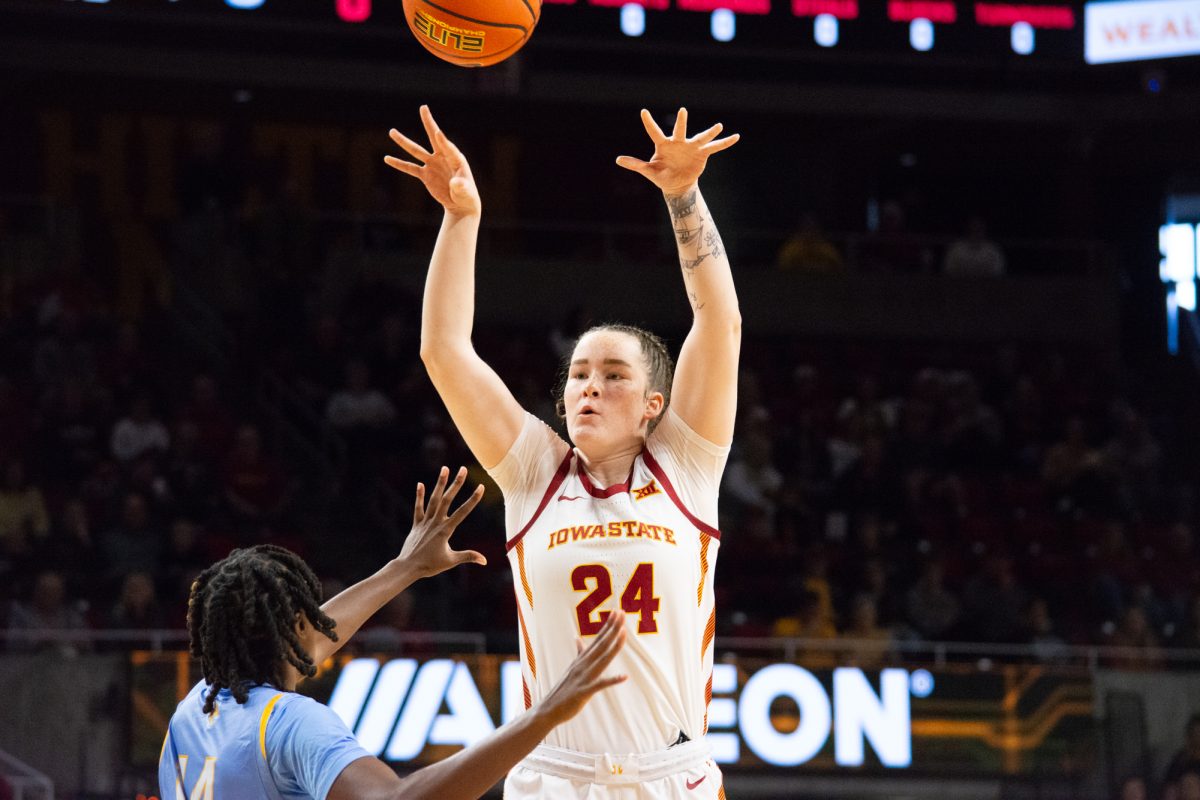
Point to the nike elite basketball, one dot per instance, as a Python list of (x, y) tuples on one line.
[(472, 33)]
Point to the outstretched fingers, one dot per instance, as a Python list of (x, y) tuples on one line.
[(706, 136), (467, 507), (680, 131), (634, 164), (409, 146), (447, 496), (407, 167), (419, 505), (431, 126), (720, 144), (656, 133)]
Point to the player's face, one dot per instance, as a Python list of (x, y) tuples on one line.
[(606, 396)]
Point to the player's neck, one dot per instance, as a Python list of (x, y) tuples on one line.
[(609, 469)]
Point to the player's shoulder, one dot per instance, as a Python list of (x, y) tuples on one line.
[(673, 434), (291, 710)]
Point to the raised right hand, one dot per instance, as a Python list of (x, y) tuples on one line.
[(585, 676), (445, 171), (427, 550)]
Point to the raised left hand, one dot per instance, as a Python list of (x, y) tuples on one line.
[(678, 161), (427, 549)]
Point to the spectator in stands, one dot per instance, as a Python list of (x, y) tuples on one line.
[(206, 412), (752, 481), (1189, 637), (930, 608), (1134, 456), (994, 601), (867, 410), (1188, 785), (1142, 650), (72, 439), (189, 472), (974, 255), (892, 248), (1133, 788), (871, 483), (1048, 646), (187, 555), (134, 544), (972, 432), (126, 365), (66, 354), (873, 643), (254, 485), (808, 249), (48, 610), (807, 621), (16, 418), (1074, 470), (138, 607), (1188, 758), (72, 548), (357, 407), (23, 517), (138, 432)]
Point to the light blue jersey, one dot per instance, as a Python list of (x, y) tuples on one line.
[(276, 746)]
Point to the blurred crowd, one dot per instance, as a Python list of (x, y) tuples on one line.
[(891, 494)]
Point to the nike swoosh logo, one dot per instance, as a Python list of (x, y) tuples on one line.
[(562, 497), (692, 785)]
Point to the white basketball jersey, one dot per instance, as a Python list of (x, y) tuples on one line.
[(647, 545)]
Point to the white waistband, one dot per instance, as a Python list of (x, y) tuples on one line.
[(611, 769)]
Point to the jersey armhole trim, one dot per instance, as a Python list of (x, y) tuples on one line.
[(262, 725), (658, 472), (559, 476)]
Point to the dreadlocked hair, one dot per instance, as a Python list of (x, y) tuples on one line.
[(242, 614), (660, 368)]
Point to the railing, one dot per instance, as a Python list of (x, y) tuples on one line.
[(791, 649), (941, 653), (25, 781)]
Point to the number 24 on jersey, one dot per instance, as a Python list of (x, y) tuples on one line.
[(638, 597)]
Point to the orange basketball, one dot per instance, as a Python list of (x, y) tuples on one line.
[(472, 33)]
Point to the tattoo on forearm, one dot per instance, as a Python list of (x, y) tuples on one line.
[(684, 234), (713, 240), (682, 205), (694, 233)]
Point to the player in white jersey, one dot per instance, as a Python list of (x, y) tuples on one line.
[(626, 518)]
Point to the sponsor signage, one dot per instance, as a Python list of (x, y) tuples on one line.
[(774, 717), (1140, 29)]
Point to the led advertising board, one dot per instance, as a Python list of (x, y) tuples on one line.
[(766, 716), (1133, 30)]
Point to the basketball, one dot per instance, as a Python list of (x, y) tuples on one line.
[(472, 33)]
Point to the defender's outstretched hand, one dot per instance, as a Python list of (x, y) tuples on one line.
[(677, 161), (444, 171), (586, 676), (427, 549)]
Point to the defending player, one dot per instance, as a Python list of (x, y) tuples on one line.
[(625, 518), (254, 622)]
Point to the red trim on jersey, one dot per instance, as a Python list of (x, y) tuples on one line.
[(657, 470), (555, 482), (617, 488)]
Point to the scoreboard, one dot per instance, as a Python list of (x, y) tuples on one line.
[(1098, 31), (1035, 28)]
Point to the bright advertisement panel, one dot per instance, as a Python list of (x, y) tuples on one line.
[(1134, 30), (773, 717)]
